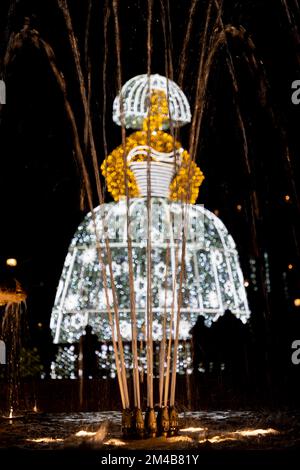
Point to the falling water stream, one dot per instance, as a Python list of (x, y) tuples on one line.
[(12, 321)]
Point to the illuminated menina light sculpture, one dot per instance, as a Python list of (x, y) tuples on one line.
[(213, 279)]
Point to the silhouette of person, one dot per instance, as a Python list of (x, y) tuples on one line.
[(88, 345), (200, 345), (229, 337)]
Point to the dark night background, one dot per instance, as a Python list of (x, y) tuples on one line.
[(40, 184)]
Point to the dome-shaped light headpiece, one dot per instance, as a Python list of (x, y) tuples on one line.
[(136, 98)]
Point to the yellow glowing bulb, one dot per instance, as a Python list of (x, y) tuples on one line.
[(297, 302), (287, 197), (246, 283), (11, 262), (239, 207), (290, 266)]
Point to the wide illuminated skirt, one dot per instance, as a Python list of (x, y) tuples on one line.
[(212, 279)]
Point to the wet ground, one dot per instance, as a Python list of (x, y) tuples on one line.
[(46, 435)]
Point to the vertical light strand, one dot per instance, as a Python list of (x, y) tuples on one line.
[(184, 218), (104, 77), (162, 356), (150, 402), (63, 5), (136, 387), (186, 40)]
